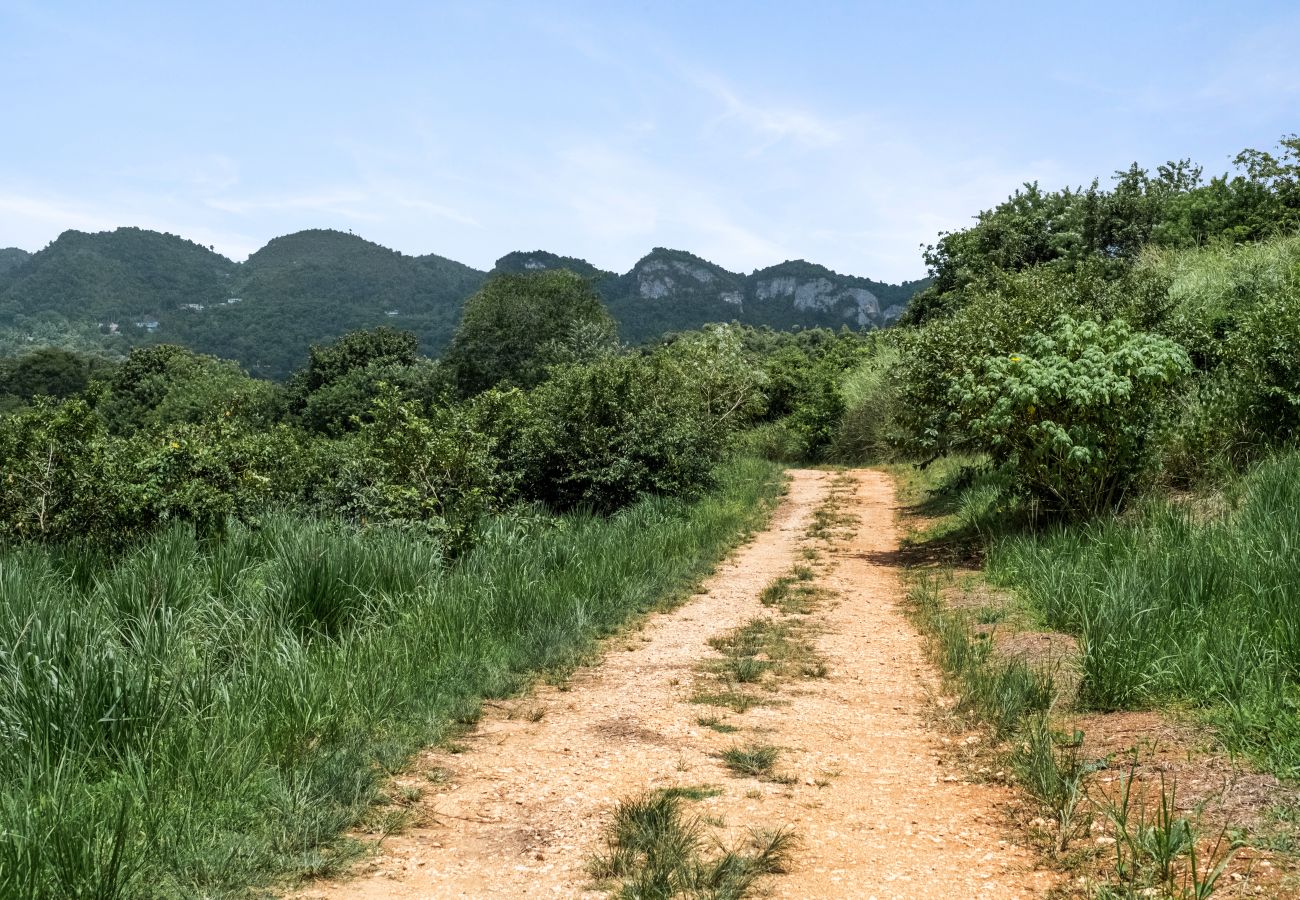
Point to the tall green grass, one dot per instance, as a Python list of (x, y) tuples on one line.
[(1173, 606), (192, 718), (1214, 282)]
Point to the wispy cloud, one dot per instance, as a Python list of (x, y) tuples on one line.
[(51, 211), (771, 122)]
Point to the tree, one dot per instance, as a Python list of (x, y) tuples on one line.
[(327, 363), (518, 326), (168, 385), (49, 372)]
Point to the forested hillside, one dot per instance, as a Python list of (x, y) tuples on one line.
[(672, 290), (12, 257), (112, 291)]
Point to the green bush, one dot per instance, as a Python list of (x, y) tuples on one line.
[(1073, 413), (605, 434), (518, 326), (406, 468), (165, 385), (54, 478), (867, 431), (997, 319), (774, 441)]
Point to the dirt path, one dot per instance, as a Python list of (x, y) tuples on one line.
[(523, 808)]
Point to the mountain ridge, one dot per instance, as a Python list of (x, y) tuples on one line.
[(141, 286)]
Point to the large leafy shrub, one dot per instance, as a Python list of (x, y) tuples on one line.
[(408, 468), (157, 387), (518, 326), (65, 478), (605, 434), (1073, 413)]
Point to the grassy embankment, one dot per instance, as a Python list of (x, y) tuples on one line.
[(193, 719), (1184, 605)]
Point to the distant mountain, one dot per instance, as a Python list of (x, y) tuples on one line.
[(672, 290), (12, 258), (299, 289), (519, 263), (313, 286), (115, 275), (143, 287)]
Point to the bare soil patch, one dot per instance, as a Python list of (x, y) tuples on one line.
[(857, 773)]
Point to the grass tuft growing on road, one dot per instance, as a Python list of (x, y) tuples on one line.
[(751, 760), (655, 850)]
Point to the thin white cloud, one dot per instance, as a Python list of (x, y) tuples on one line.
[(771, 122), (50, 211)]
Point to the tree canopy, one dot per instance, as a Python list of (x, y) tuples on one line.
[(517, 326)]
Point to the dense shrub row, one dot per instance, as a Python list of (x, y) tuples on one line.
[(1091, 343), (1112, 380), (372, 434)]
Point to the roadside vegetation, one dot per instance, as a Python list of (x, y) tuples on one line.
[(230, 607), (657, 849), (1098, 397)]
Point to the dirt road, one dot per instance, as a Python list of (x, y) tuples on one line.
[(522, 809)]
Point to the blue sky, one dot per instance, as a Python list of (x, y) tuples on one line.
[(749, 133)]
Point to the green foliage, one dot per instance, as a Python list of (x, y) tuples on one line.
[(867, 432), (1073, 413), (603, 434), (50, 372), (194, 718), (356, 350), (407, 468), (50, 331), (1070, 229), (373, 438), (11, 258), (1176, 606), (116, 276), (334, 393), (1237, 311), (67, 480), (165, 385), (802, 380), (998, 320), (54, 479), (300, 289), (518, 326)]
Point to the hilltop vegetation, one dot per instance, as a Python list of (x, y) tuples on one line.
[(297, 290), (12, 257), (672, 290), (314, 286)]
